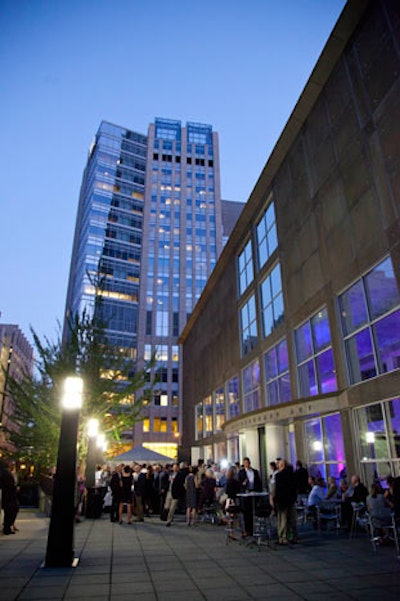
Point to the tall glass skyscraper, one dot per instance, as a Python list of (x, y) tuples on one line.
[(150, 223)]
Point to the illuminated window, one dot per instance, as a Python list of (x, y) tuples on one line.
[(233, 397), (164, 400), (199, 421), (156, 424), (146, 424), (174, 425), (208, 410), (315, 363), (370, 314), (219, 398), (277, 377), (251, 386), (163, 424)]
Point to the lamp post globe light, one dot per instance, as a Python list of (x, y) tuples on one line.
[(60, 541)]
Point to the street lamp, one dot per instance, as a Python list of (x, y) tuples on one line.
[(60, 541)]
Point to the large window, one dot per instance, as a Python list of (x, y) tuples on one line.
[(199, 421), (219, 406), (267, 240), (251, 386), (370, 314), (246, 267), (378, 434), (248, 325), (315, 364), (277, 377), (325, 447), (232, 391), (208, 414), (272, 300)]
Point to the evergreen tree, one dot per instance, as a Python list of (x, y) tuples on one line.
[(110, 389)]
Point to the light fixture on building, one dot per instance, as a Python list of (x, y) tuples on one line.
[(370, 437), (317, 445)]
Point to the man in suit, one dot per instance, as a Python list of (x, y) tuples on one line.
[(250, 481), (285, 500), (116, 491)]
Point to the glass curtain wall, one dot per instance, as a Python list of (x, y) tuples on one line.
[(370, 316), (325, 447), (378, 436)]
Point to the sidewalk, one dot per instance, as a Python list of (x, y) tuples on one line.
[(150, 562)]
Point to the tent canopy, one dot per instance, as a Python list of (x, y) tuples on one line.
[(140, 454)]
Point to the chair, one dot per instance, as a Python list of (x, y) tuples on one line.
[(383, 530), (328, 512), (234, 517), (359, 518), (209, 513), (263, 524)]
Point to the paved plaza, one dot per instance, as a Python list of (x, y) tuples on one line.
[(149, 562)]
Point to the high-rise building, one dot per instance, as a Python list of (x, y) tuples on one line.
[(150, 223), (16, 359)]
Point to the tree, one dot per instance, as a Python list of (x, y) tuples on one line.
[(110, 389)]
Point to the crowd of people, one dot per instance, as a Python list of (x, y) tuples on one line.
[(293, 488), (133, 492), (137, 491)]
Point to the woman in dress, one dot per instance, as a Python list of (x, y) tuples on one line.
[(126, 497), (191, 497)]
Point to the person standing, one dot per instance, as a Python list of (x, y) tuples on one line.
[(250, 481), (301, 476), (285, 499), (140, 480), (9, 498), (177, 489), (116, 492), (126, 497), (191, 497)]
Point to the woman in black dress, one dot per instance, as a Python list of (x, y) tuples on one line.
[(126, 497)]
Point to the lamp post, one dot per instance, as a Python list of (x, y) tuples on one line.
[(60, 541)]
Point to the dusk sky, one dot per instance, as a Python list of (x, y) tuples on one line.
[(68, 64)]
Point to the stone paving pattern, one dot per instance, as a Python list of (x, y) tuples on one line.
[(149, 562)]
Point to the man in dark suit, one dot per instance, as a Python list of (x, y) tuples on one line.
[(250, 481), (285, 499), (178, 491), (116, 492)]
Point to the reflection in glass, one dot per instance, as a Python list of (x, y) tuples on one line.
[(233, 397), (276, 367), (321, 331), (382, 289), (360, 357), (333, 439), (387, 337), (303, 342), (326, 372), (307, 379), (313, 434), (251, 386), (353, 308)]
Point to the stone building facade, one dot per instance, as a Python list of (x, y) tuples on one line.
[(294, 347)]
